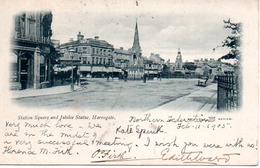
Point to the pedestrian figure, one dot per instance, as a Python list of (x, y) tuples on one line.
[(62, 77), (159, 76), (144, 78), (107, 76), (125, 76)]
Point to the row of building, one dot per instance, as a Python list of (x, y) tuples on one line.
[(37, 60)]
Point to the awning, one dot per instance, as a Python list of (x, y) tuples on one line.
[(117, 70), (85, 68), (98, 69), (113, 69), (151, 72), (65, 69), (104, 69)]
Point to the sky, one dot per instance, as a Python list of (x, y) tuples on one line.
[(163, 27)]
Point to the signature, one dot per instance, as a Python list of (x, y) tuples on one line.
[(196, 157)]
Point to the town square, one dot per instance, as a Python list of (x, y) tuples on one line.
[(131, 73), (117, 95)]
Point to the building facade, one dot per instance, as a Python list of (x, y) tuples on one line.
[(31, 50), (96, 56), (122, 58)]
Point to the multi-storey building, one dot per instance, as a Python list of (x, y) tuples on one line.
[(122, 58), (96, 56), (160, 62), (157, 59), (31, 50)]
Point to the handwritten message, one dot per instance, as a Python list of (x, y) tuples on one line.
[(144, 137)]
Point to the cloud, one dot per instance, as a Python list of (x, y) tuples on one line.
[(159, 32)]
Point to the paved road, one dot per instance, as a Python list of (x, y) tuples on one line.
[(104, 95)]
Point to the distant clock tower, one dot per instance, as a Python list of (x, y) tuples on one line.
[(178, 62)]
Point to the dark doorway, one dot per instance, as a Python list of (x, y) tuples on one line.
[(26, 72)]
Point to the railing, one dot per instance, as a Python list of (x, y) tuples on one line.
[(34, 39), (228, 92)]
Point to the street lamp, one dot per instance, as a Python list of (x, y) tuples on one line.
[(79, 71), (112, 63), (71, 51)]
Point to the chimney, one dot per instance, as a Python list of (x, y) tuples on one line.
[(71, 40), (96, 38), (80, 36), (121, 48)]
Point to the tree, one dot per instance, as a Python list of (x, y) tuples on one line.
[(190, 66), (233, 41)]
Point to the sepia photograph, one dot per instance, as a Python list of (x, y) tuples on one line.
[(132, 82)]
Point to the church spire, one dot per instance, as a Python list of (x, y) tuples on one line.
[(136, 44)]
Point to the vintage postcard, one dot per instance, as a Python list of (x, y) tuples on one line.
[(134, 82)]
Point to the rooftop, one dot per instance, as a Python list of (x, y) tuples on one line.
[(90, 42)]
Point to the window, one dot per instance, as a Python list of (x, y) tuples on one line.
[(32, 28), (84, 60), (97, 60), (97, 51), (93, 50), (92, 60), (100, 62), (14, 69), (42, 68)]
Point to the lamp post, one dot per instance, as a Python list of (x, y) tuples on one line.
[(79, 72), (71, 51), (79, 76), (112, 63)]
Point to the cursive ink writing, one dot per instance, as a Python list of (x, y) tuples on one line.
[(40, 125), (11, 150), (75, 135), (146, 118), (14, 125), (109, 154), (156, 130), (196, 157), (139, 137), (116, 142)]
